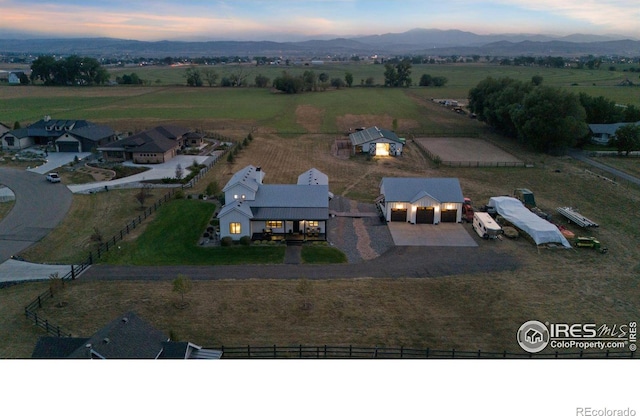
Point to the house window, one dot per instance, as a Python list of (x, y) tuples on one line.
[(274, 224), (235, 228), (313, 223)]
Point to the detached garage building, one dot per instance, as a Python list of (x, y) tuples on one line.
[(421, 200)]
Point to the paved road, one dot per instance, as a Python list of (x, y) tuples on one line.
[(397, 262), (580, 155), (40, 206)]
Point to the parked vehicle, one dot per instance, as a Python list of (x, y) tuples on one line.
[(525, 196), (53, 177), (589, 242), (485, 226), (467, 210)]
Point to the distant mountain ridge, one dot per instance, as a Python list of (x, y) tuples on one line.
[(415, 41)]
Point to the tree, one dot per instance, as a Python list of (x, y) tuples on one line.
[(323, 77), (337, 83), (601, 110), (398, 75), (309, 81), (193, 76), (182, 285), (16, 125), (348, 79), (425, 80), (537, 80), (210, 75), (439, 81), (262, 81), (288, 83), (179, 171), (42, 69), (369, 82), (550, 119), (627, 139), (141, 196)]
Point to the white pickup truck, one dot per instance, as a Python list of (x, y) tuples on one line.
[(53, 177)]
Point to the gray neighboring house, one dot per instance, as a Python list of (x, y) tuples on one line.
[(376, 142), (157, 145), (603, 133), (275, 212), (421, 200), (66, 135), (127, 337)]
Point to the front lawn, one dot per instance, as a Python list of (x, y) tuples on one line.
[(319, 254), (172, 239)]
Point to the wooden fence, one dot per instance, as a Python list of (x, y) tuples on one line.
[(470, 163), (356, 352)]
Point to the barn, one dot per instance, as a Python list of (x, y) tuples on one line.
[(421, 200), (376, 142)]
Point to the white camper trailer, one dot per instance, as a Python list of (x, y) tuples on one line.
[(485, 226)]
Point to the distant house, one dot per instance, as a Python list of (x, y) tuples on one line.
[(158, 145), (65, 135), (4, 129), (14, 77), (282, 212), (603, 133), (128, 336), (376, 142), (421, 200)]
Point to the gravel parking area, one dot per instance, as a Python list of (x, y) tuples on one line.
[(361, 239)]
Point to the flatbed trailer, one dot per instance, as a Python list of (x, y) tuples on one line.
[(575, 217)]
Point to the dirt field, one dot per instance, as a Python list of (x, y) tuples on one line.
[(463, 149)]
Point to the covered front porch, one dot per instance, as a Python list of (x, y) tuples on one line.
[(289, 230)]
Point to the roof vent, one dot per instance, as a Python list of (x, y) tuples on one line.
[(106, 340), (125, 320), (259, 168)]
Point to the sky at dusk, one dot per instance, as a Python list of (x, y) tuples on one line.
[(291, 19)]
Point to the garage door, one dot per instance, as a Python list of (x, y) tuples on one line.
[(449, 216), (399, 215), (424, 215), (68, 146)]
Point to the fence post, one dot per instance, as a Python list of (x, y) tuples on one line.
[(453, 353), (249, 351), (427, 354), (350, 351), (300, 351), (39, 302), (325, 350), (73, 273), (479, 354), (90, 257), (401, 351), (120, 235), (46, 325), (275, 354)]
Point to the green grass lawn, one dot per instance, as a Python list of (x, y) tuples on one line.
[(319, 254)]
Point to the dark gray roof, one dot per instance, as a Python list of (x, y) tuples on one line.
[(298, 196), (290, 213), (55, 128), (94, 132), (128, 336), (407, 189), (157, 140), (609, 129), (371, 135), (57, 347)]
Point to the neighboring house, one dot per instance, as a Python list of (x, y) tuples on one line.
[(421, 200), (126, 337), (603, 133), (265, 212), (376, 142), (3, 129), (65, 135), (14, 77), (158, 145)]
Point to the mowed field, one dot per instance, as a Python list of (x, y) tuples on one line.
[(465, 149), (294, 133)]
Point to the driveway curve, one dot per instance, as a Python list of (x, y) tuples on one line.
[(40, 206)]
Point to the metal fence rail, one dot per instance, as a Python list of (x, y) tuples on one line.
[(358, 352)]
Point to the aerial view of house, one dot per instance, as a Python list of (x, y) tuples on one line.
[(264, 211)]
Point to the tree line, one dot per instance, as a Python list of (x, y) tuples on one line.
[(73, 70), (548, 119)]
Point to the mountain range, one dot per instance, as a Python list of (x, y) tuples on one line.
[(416, 41)]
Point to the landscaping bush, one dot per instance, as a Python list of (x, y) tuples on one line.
[(179, 194), (245, 240), (226, 241)]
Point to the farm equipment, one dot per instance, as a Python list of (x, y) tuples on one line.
[(589, 242), (467, 210), (526, 197), (574, 216)]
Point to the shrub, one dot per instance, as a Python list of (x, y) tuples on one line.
[(179, 194), (226, 241), (245, 240)]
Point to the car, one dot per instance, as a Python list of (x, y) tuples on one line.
[(53, 177)]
